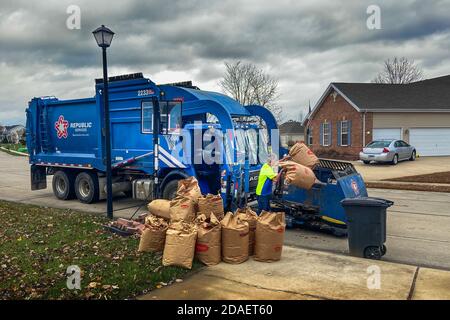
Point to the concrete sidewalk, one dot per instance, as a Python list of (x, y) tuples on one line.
[(306, 274)]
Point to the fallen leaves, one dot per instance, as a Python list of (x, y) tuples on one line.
[(38, 244)]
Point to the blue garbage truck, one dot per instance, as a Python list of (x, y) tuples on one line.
[(65, 139)]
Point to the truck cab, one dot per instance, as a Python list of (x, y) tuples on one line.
[(65, 139)]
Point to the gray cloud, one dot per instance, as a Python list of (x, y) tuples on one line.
[(304, 44)]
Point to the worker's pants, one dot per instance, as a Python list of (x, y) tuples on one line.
[(264, 203)]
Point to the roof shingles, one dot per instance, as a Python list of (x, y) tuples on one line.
[(431, 94)]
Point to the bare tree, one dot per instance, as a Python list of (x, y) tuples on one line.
[(248, 84), (399, 71)]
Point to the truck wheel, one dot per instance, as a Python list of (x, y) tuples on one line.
[(86, 187), (366, 162), (373, 253), (170, 190), (63, 185)]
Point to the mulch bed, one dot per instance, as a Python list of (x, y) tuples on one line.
[(438, 177)]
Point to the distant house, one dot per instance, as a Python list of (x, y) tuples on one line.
[(350, 115), (12, 134), (290, 132)]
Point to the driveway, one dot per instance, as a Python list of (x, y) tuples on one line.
[(422, 165), (418, 223)]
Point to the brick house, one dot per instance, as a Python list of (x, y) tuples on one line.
[(350, 115)]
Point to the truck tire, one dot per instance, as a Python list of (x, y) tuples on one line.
[(170, 190), (63, 185), (86, 187)]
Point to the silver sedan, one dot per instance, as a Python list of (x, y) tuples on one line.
[(391, 151)]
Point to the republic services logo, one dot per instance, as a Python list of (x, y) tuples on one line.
[(61, 127), (355, 187)]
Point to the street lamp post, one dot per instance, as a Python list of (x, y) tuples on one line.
[(103, 36)]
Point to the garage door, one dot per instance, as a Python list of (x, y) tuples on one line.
[(387, 133), (430, 141)]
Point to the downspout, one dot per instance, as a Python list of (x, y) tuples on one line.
[(364, 129)]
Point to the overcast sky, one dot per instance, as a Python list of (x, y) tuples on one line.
[(304, 44)]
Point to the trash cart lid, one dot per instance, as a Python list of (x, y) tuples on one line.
[(366, 202)]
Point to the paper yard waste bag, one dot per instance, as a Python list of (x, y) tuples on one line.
[(301, 154), (182, 209), (189, 188), (180, 245), (211, 203), (251, 217), (299, 175), (269, 236), (160, 208), (208, 246), (234, 239), (154, 234)]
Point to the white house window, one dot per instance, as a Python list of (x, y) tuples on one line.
[(344, 133), (310, 136), (326, 134)]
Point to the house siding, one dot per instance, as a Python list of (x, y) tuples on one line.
[(334, 110)]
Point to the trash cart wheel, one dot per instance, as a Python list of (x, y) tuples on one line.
[(373, 253), (383, 250)]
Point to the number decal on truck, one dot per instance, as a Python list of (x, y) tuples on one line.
[(146, 92)]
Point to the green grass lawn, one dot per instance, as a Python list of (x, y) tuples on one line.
[(38, 244)]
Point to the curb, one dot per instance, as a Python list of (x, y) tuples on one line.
[(15, 152), (409, 186)]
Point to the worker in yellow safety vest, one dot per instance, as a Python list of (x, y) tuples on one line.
[(264, 188)]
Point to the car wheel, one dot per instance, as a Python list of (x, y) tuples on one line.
[(395, 159), (366, 162), (170, 190), (413, 156), (86, 187), (63, 185)]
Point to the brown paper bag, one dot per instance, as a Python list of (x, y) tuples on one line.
[(299, 175), (251, 217), (301, 154), (182, 209), (180, 245), (208, 247), (270, 230), (189, 188), (154, 234), (211, 203), (234, 239), (160, 208)]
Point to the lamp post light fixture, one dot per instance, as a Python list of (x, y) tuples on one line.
[(103, 36)]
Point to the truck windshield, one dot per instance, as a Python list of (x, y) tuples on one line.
[(241, 146), (263, 152), (170, 116), (249, 144), (252, 143)]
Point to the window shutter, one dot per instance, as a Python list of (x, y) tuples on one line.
[(339, 138), (321, 134), (331, 134), (349, 124)]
